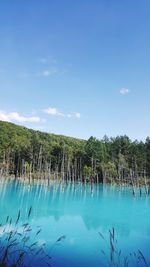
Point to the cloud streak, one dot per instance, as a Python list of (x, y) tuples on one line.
[(49, 72), (16, 117), (55, 112), (124, 91), (47, 60)]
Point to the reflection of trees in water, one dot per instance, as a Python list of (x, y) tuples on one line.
[(95, 223), (98, 209)]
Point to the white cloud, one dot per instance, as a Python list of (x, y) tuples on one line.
[(49, 72), (15, 117), (69, 115), (46, 73), (50, 67), (124, 91), (77, 115), (43, 120), (47, 60), (55, 112)]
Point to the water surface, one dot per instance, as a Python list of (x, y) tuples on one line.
[(79, 214)]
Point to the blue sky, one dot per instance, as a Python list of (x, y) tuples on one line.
[(78, 68)]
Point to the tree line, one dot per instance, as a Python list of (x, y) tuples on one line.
[(37, 155)]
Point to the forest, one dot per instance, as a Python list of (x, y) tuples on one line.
[(37, 155)]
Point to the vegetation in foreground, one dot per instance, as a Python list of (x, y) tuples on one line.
[(18, 250), (115, 257), (33, 154)]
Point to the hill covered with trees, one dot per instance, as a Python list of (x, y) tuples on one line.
[(33, 154)]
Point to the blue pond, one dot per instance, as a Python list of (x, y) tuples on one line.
[(79, 214)]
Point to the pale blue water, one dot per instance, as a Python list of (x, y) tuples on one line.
[(80, 215)]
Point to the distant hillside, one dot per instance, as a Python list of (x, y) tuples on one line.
[(34, 154)]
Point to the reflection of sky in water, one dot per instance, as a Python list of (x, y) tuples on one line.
[(78, 214)]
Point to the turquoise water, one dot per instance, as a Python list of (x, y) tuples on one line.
[(77, 213)]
